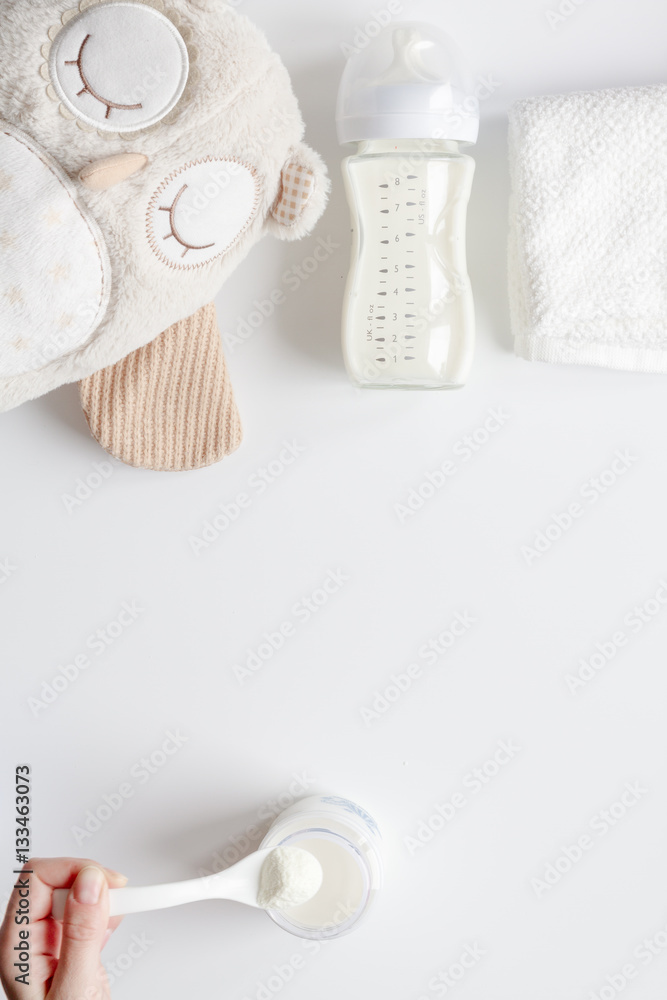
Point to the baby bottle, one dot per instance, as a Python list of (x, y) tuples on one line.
[(408, 317)]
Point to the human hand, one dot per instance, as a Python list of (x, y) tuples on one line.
[(64, 958)]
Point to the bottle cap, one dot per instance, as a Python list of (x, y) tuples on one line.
[(410, 82)]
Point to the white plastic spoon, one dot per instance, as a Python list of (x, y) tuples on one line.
[(290, 877)]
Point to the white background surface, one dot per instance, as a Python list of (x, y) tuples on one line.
[(333, 509)]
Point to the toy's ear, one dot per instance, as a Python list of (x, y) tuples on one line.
[(302, 195)]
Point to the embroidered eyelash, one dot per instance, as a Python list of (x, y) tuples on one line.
[(153, 237), (193, 78), (172, 222), (87, 88)]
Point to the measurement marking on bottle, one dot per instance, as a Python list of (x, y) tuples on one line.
[(411, 204), (384, 211), (384, 185), (384, 241)]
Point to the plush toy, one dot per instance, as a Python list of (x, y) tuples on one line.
[(145, 147)]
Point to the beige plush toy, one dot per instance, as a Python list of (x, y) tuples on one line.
[(145, 147)]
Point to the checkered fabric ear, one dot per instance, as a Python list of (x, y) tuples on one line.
[(298, 183)]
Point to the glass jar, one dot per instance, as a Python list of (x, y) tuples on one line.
[(346, 841)]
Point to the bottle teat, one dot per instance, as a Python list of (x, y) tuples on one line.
[(408, 66), (410, 82)]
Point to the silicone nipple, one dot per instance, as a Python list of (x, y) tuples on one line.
[(408, 65)]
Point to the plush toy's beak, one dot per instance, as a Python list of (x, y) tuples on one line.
[(302, 195), (103, 174)]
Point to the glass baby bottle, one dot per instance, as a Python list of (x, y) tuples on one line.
[(408, 315)]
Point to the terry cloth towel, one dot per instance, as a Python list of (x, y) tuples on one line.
[(588, 228)]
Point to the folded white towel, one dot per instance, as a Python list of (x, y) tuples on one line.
[(588, 228)]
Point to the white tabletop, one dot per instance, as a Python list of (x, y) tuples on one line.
[(474, 902)]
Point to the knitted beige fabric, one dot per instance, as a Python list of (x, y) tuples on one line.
[(168, 406)]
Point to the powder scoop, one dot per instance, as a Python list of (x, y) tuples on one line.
[(277, 878)]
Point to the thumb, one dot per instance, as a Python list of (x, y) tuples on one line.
[(84, 926)]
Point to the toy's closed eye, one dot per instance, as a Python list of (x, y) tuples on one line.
[(172, 222), (119, 67), (210, 203), (87, 86)]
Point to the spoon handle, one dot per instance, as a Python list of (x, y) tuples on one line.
[(139, 899)]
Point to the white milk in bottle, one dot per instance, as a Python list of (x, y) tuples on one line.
[(408, 317)]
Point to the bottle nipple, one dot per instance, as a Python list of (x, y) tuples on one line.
[(408, 65), (410, 82)]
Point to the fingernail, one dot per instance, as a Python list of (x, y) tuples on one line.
[(116, 875), (88, 885)]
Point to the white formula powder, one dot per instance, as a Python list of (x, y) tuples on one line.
[(289, 877)]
